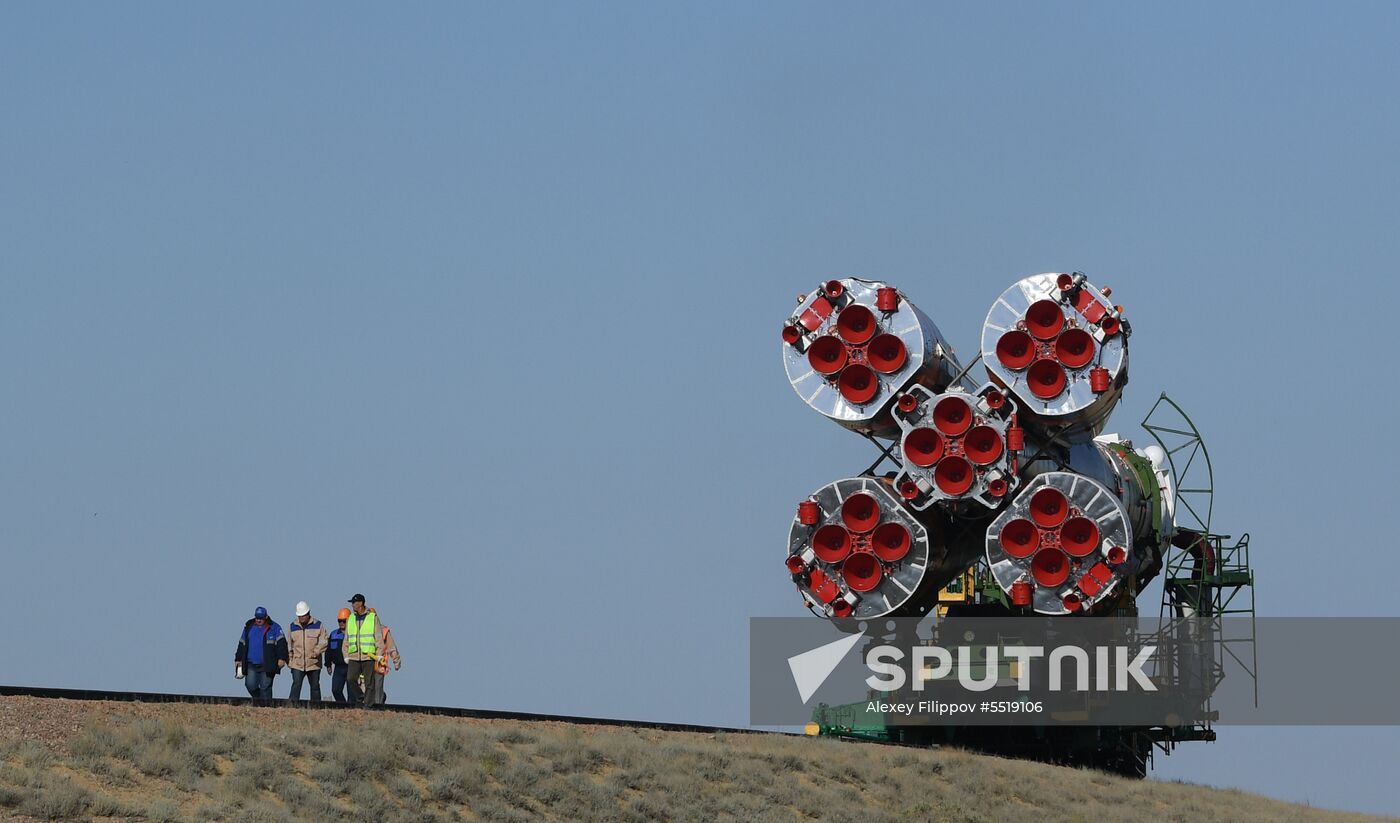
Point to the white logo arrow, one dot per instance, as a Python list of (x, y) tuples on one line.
[(811, 669)]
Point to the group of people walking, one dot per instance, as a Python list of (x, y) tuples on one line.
[(357, 653)]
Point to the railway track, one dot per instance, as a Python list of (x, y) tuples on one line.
[(439, 711)]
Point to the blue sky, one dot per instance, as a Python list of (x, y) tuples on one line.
[(475, 309)]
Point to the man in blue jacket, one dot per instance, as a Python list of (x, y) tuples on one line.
[(261, 654)]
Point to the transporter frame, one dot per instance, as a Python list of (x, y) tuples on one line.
[(1006, 499)]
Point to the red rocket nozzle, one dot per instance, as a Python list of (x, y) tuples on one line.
[(1099, 380), (1109, 325), (923, 447), (1046, 378), (862, 571), (887, 298), (795, 564), (1015, 349), (840, 608), (860, 512), (995, 399), (858, 384), (827, 355), (1049, 507), (1019, 538), (997, 487), (831, 543), (886, 353), (1075, 348), (891, 541), (982, 445), (909, 490), (791, 334), (1072, 602), (953, 475), (834, 289), (1065, 281), (1044, 319), (856, 324), (1079, 536), (1050, 567), (952, 416), (1116, 555)]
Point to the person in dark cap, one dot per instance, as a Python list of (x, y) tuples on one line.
[(362, 643), (261, 654)]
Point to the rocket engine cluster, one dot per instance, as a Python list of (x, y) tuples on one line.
[(1013, 471)]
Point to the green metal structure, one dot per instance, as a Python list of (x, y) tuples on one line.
[(1206, 577)]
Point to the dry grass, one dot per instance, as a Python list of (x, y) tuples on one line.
[(228, 763)]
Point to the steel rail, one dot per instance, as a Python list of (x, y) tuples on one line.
[(440, 711)]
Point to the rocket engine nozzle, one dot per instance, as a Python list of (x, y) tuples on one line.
[(867, 550), (923, 447), (1015, 349), (983, 445), (952, 415), (831, 543), (853, 346), (1019, 538), (862, 571), (1044, 320), (856, 324), (891, 541), (827, 355), (1018, 455), (886, 354), (1059, 345), (858, 384), (860, 512), (1067, 534), (957, 446), (1075, 349), (1050, 568)]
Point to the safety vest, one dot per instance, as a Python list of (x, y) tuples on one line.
[(360, 638)]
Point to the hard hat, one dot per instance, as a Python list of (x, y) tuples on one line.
[(344, 615), (303, 609)]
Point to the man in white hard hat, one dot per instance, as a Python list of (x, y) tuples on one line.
[(306, 642)]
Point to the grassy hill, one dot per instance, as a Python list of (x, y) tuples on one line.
[(79, 760)]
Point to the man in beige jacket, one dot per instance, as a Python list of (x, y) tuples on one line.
[(306, 642)]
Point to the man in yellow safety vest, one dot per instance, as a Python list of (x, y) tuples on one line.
[(366, 639)]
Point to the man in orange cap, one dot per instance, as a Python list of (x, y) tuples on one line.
[(335, 656)]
